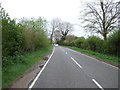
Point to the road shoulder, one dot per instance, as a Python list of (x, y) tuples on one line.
[(97, 58)]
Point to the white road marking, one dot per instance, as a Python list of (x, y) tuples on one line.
[(66, 52), (76, 62), (110, 65), (93, 58), (97, 84), (100, 61), (41, 70)]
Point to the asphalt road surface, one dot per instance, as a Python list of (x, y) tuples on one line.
[(67, 68)]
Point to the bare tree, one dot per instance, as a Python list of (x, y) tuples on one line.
[(54, 25), (101, 17), (65, 28), (57, 35), (60, 29), (119, 15)]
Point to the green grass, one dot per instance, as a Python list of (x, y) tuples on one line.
[(111, 58), (14, 71)]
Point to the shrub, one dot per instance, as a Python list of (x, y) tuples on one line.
[(79, 41), (11, 37), (23, 36), (94, 43), (34, 33), (113, 43), (11, 60), (69, 40)]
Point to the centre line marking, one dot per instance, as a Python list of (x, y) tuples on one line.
[(97, 84), (76, 62), (66, 52)]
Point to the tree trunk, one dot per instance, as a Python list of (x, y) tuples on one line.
[(51, 38), (105, 36)]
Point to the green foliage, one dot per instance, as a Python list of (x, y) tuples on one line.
[(12, 71), (113, 43), (27, 35), (17, 40), (12, 60), (91, 43), (94, 43), (69, 39), (34, 33), (79, 42), (11, 37), (107, 57), (11, 41)]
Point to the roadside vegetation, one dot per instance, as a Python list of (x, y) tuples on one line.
[(96, 44), (24, 41), (102, 18), (14, 70), (23, 44), (110, 58), (93, 45)]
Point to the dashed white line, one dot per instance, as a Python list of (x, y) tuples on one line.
[(41, 70), (76, 62), (97, 84)]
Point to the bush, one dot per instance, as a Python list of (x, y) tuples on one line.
[(11, 60), (69, 40), (34, 33), (94, 43), (26, 35), (79, 41), (11, 38), (113, 43)]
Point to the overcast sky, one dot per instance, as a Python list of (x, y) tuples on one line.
[(67, 10)]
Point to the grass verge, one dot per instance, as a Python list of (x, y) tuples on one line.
[(110, 58), (16, 70)]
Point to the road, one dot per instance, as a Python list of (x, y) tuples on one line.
[(67, 68)]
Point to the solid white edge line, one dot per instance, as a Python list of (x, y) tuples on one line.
[(41, 70), (97, 84), (100, 61), (76, 62), (93, 58)]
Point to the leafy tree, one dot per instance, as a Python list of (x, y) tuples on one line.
[(34, 33)]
